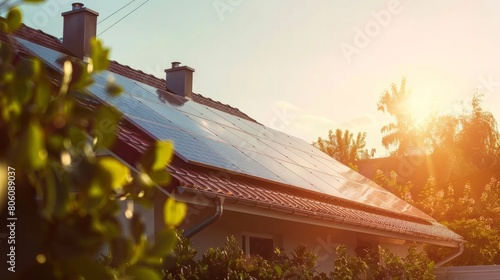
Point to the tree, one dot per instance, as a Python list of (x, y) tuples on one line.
[(402, 133), (479, 138), (472, 137), (343, 147), (65, 199)]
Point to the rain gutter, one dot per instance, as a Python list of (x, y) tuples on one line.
[(452, 256), (219, 202)]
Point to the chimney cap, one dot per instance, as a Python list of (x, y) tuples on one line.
[(77, 5), (176, 66), (78, 8)]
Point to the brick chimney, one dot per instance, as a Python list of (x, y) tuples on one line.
[(80, 25), (180, 80)]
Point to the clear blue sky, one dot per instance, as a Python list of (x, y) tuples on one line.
[(305, 67)]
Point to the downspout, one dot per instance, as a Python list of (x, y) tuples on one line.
[(215, 216), (451, 257)]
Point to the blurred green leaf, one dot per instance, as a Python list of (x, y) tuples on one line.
[(42, 96), (3, 25), (33, 146), (143, 273), (99, 55), (5, 51), (29, 69), (174, 212), (164, 244), (160, 177), (81, 78), (121, 250), (10, 108), (78, 138), (157, 156), (113, 89), (105, 125), (111, 227), (49, 193), (137, 227), (139, 249), (14, 19), (112, 172), (23, 90), (87, 269)]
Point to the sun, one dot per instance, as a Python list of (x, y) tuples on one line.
[(423, 102)]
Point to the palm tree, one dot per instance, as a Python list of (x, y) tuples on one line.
[(401, 133), (343, 147)]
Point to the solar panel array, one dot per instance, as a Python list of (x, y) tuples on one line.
[(209, 137)]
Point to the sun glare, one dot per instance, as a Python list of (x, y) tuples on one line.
[(422, 103)]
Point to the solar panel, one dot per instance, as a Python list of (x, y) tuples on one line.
[(278, 168), (220, 131), (188, 147), (248, 165), (178, 119), (203, 111), (209, 137), (48, 55), (260, 146), (281, 148)]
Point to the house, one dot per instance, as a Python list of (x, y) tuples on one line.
[(239, 177)]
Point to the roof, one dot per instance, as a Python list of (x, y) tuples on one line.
[(46, 40), (254, 193), (283, 183), (244, 191)]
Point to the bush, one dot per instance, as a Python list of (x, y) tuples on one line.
[(230, 262)]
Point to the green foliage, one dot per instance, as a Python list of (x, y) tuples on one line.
[(229, 262), (391, 184), (482, 245), (475, 221), (349, 266), (343, 147), (383, 265), (68, 197)]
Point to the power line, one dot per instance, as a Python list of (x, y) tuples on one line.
[(123, 17), (116, 11)]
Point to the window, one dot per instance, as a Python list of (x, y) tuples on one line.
[(261, 245), (365, 248)]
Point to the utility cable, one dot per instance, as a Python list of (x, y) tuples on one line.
[(123, 17), (116, 11)]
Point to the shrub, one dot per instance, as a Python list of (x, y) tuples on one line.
[(230, 262)]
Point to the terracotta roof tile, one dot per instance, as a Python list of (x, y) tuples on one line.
[(256, 194), (36, 36)]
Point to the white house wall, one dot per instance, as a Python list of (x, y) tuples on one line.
[(286, 235)]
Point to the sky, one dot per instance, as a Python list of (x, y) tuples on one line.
[(305, 67)]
